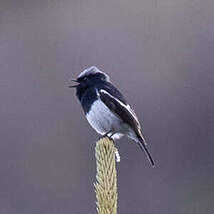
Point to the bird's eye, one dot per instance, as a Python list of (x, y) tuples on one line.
[(85, 78)]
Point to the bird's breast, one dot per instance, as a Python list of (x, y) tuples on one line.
[(101, 118), (88, 98)]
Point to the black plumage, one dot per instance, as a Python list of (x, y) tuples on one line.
[(106, 109)]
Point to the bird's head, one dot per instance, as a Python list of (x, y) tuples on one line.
[(90, 77)]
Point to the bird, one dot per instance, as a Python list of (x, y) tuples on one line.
[(106, 109)]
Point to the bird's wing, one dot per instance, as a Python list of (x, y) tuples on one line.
[(108, 87), (122, 109)]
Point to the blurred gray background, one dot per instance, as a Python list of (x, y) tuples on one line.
[(161, 56)]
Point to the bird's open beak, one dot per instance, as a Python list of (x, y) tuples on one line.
[(73, 86)]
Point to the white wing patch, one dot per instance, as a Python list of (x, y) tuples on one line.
[(102, 119), (127, 106)]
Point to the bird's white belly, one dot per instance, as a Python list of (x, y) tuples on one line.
[(102, 119)]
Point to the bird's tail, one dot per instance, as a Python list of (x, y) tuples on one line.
[(142, 145)]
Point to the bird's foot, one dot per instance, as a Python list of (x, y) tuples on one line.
[(109, 136), (105, 135)]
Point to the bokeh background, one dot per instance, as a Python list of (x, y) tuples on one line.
[(161, 56)]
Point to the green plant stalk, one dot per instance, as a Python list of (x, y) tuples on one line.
[(106, 177)]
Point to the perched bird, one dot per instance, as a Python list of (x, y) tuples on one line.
[(106, 109)]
